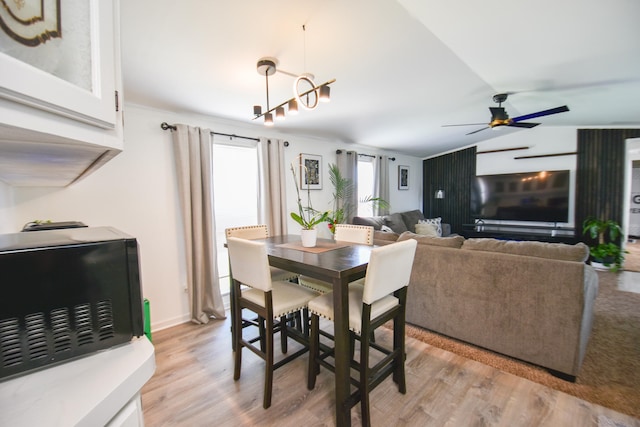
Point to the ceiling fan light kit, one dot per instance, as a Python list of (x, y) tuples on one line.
[(499, 116)]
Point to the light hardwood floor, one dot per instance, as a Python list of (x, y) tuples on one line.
[(193, 386)]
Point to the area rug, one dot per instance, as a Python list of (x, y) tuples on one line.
[(610, 374)]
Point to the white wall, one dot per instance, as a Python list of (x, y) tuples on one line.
[(7, 217), (136, 193)]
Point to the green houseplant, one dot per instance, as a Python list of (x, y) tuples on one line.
[(606, 250), (343, 189)]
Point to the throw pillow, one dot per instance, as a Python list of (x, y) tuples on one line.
[(435, 221), (427, 230), (395, 222), (411, 218), (386, 229)]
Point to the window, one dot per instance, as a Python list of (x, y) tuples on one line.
[(365, 185), (235, 189)]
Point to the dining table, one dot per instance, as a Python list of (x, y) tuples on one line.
[(337, 263)]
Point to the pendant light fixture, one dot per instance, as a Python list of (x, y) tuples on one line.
[(306, 93)]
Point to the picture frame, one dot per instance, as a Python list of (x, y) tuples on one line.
[(403, 177), (310, 172)]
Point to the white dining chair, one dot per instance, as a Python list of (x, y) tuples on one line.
[(269, 299), (351, 233), (253, 232), (261, 231), (380, 299)]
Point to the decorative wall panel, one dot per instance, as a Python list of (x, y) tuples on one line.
[(451, 173), (600, 174)]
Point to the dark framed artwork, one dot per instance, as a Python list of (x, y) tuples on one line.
[(310, 172), (403, 177)]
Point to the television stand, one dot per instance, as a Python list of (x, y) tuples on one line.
[(539, 233)]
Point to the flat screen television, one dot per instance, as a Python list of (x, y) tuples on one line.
[(532, 196)]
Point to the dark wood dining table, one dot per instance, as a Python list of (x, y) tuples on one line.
[(339, 265)]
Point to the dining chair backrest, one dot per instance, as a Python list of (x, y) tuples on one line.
[(249, 263), (389, 269), (250, 232), (354, 233)]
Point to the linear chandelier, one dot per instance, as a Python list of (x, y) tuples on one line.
[(305, 93)]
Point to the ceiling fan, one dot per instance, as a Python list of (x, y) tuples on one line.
[(499, 116)]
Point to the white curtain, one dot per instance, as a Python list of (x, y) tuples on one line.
[(192, 149), (272, 203), (381, 183), (347, 162)]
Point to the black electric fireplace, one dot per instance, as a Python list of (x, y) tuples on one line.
[(65, 294)]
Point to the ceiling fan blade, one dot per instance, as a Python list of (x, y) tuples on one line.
[(528, 125), (466, 124), (556, 110), (476, 131)]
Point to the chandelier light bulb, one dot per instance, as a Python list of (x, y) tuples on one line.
[(292, 106), (268, 119), (325, 93)]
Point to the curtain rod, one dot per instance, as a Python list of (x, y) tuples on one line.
[(393, 159), (166, 126)]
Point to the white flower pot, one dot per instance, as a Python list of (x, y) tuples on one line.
[(309, 237)]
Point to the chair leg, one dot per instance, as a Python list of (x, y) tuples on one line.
[(283, 334), (305, 322), (365, 337), (237, 338), (268, 372), (398, 347), (314, 349), (352, 344), (262, 334)]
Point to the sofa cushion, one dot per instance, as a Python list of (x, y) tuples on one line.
[(395, 222), (449, 242), (373, 221), (435, 221), (560, 251), (411, 218), (383, 237), (426, 230)]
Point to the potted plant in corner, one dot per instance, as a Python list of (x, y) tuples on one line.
[(605, 253), (307, 216), (343, 189)]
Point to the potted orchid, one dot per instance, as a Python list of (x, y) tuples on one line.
[(307, 216)]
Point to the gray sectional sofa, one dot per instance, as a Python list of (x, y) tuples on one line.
[(532, 301), (398, 222)]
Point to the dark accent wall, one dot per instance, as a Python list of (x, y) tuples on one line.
[(600, 174), (600, 166), (451, 173)]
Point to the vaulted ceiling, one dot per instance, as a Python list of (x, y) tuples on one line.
[(403, 68)]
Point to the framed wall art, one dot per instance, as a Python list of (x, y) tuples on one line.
[(403, 177), (310, 172)]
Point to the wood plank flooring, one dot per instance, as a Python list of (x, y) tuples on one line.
[(193, 386)]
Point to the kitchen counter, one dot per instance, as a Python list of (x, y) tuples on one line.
[(97, 390)]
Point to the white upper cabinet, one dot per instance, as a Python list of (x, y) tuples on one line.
[(60, 90)]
